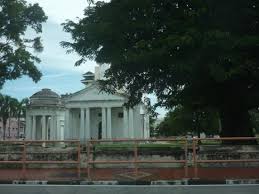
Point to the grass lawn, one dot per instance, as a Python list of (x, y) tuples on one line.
[(142, 146)]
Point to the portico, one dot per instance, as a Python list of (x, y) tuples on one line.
[(98, 122), (44, 127), (45, 117)]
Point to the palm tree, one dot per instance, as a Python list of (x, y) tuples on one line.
[(21, 111), (5, 111), (8, 109)]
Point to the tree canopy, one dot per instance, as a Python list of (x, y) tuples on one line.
[(7, 109), (16, 58), (12, 108), (199, 53), (183, 120)]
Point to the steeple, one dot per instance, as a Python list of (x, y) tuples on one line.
[(88, 78)]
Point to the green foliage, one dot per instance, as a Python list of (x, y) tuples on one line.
[(11, 108), (7, 109), (182, 120), (255, 120), (199, 53), (16, 16), (177, 145)]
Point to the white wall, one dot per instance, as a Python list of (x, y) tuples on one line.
[(95, 119), (75, 119), (138, 123), (117, 123)]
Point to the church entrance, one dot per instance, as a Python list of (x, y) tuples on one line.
[(100, 130)]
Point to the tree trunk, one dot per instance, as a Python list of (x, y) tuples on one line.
[(4, 130), (236, 123)]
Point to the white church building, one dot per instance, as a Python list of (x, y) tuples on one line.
[(86, 114)]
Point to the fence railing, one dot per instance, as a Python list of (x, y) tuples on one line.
[(135, 145), (190, 153), (24, 161), (196, 160)]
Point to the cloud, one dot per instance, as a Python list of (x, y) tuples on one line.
[(59, 72), (60, 10), (55, 75), (54, 57)]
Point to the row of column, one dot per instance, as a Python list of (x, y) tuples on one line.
[(85, 123), (106, 124), (128, 121), (31, 127)]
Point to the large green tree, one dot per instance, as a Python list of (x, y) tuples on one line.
[(16, 58), (197, 53), (183, 120)]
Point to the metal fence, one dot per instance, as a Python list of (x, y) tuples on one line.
[(135, 161), (24, 152), (190, 160), (238, 140)]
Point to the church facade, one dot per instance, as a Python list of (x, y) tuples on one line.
[(86, 114)]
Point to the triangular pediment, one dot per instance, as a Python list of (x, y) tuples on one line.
[(93, 93)]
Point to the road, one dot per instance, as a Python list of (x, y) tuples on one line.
[(122, 189)]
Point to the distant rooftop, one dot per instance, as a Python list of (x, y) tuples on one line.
[(45, 97)]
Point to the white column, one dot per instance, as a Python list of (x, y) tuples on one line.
[(131, 123), (66, 132), (53, 128), (82, 124), (71, 125), (28, 127), (61, 128), (109, 123), (104, 134), (33, 136), (51, 135), (43, 129), (57, 129), (48, 127), (147, 128), (87, 124), (125, 123)]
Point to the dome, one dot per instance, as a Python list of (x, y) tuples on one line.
[(45, 93), (45, 97)]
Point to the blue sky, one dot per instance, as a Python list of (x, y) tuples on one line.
[(59, 72)]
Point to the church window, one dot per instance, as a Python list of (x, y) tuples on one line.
[(120, 114)]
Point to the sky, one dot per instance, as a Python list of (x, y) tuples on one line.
[(57, 67)]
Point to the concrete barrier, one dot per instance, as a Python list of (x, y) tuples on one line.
[(129, 189)]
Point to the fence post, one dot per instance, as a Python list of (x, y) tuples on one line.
[(135, 157), (186, 158), (78, 160), (24, 160), (88, 159), (194, 143)]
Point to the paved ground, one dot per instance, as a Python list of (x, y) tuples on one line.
[(122, 174), (72, 189)]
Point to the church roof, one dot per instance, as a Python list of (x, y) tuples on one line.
[(89, 73), (45, 93), (93, 93), (45, 97)]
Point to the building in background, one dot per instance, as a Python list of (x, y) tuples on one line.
[(14, 129), (86, 114), (45, 116)]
